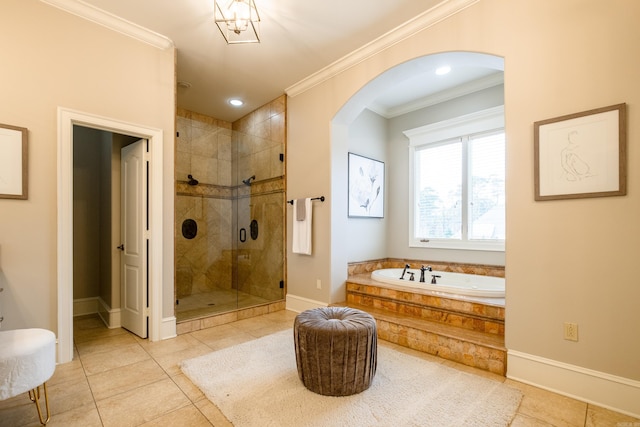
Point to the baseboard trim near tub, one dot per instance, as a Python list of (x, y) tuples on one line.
[(299, 304), (599, 388)]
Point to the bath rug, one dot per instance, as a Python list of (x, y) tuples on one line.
[(256, 384)]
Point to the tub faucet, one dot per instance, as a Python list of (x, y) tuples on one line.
[(404, 271), (422, 270)]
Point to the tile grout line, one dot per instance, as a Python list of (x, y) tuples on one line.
[(86, 378), (191, 402)]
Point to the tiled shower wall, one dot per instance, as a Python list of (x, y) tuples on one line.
[(203, 150), (220, 155)]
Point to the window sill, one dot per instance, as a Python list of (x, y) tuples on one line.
[(469, 246)]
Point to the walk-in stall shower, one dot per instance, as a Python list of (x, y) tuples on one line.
[(230, 213)]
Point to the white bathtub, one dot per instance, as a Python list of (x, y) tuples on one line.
[(453, 283)]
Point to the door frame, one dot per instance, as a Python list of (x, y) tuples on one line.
[(67, 118)]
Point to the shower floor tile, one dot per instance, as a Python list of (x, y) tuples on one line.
[(215, 301)]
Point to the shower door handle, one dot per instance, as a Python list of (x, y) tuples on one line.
[(243, 235)]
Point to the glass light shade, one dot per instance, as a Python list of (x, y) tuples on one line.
[(237, 20)]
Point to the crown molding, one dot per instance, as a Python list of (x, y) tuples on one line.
[(443, 96), (430, 17), (113, 22)]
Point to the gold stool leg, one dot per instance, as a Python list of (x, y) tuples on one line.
[(34, 395)]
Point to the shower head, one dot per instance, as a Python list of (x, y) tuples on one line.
[(192, 180), (248, 180)]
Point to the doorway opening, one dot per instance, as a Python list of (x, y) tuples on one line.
[(67, 120), (110, 201)]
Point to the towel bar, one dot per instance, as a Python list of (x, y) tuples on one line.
[(321, 198)]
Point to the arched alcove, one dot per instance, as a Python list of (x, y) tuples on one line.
[(404, 89)]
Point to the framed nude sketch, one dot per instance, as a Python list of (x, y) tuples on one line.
[(581, 155), (13, 162)]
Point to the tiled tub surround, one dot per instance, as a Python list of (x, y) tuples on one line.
[(215, 273), (467, 330)]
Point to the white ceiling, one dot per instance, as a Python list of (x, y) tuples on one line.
[(298, 38)]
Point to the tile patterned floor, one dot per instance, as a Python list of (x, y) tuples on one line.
[(117, 379)]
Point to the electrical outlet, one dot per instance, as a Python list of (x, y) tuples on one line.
[(318, 284), (571, 331)]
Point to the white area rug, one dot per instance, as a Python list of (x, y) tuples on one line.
[(257, 384)]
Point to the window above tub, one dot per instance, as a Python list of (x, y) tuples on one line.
[(457, 183)]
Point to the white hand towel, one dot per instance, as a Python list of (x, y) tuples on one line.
[(302, 229)]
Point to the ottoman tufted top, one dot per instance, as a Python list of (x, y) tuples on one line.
[(334, 318)]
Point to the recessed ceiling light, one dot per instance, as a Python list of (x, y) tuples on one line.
[(441, 71), (236, 102)]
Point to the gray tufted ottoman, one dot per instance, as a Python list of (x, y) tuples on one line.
[(336, 350)]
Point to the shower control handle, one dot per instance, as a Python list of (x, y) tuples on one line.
[(243, 235)]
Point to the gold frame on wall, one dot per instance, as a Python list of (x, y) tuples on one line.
[(581, 155), (14, 162)]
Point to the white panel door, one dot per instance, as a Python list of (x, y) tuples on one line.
[(133, 214)]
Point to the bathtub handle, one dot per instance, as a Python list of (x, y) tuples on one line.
[(422, 270), (433, 279)]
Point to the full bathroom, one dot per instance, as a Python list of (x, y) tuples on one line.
[(230, 201)]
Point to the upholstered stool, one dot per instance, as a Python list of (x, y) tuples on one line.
[(336, 350), (27, 361)]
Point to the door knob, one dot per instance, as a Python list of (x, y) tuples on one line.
[(121, 247)]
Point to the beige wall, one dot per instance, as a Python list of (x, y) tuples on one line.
[(571, 260), (52, 59)]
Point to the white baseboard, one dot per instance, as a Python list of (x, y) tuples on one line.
[(168, 328), (609, 391), (83, 306), (96, 305), (299, 304), (110, 316)]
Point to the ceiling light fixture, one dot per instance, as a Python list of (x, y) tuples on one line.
[(237, 20), (441, 71), (236, 102)]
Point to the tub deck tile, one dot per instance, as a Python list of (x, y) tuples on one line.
[(466, 330)]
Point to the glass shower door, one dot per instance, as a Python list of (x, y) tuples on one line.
[(230, 212), (260, 201)]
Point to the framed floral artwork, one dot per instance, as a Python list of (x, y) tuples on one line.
[(366, 187)]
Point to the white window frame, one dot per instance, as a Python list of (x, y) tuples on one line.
[(478, 122)]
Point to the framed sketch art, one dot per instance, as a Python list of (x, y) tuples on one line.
[(13, 162), (366, 187), (581, 155)]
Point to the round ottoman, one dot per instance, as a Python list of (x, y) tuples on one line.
[(336, 350), (27, 361)]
